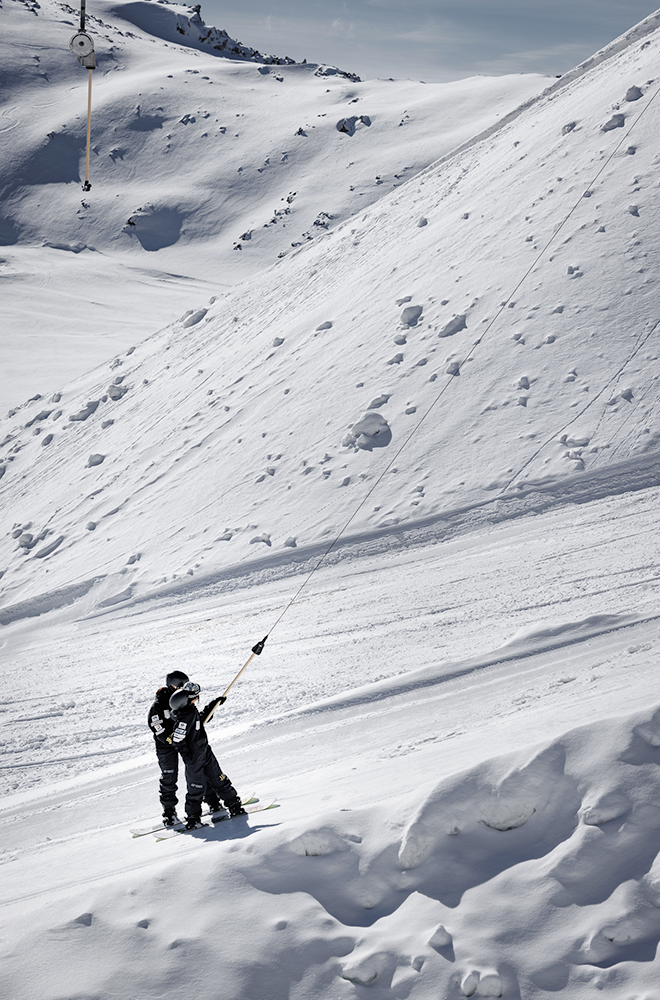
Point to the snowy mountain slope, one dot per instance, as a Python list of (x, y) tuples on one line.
[(206, 166), (372, 319), (458, 712)]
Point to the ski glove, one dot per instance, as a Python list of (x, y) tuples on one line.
[(209, 709)]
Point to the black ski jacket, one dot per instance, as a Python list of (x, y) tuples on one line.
[(160, 718), (189, 735)]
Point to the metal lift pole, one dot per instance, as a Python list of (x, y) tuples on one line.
[(82, 47)]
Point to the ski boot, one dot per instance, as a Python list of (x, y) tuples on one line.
[(170, 818), (193, 823), (235, 808)]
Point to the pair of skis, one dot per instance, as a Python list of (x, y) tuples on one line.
[(161, 832)]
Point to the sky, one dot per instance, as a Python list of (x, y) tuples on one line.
[(432, 40)]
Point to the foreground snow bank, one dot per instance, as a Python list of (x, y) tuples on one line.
[(530, 873)]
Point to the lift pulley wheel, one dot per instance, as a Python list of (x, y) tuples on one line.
[(82, 47)]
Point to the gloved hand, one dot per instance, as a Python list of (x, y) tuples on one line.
[(208, 710)]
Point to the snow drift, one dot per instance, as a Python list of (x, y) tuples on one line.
[(531, 873)]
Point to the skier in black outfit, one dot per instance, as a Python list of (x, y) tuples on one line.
[(202, 768), (162, 726)]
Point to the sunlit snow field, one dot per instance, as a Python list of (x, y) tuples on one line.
[(416, 450)]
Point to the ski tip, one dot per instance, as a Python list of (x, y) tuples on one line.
[(272, 805)]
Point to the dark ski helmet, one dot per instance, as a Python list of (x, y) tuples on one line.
[(176, 679), (189, 692)]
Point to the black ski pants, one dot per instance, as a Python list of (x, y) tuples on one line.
[(168, 759), (203, 773)]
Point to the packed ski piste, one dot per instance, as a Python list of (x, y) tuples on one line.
[(406, 426)]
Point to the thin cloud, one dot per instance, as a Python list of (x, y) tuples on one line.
[(436, 35), (560, 58), (346, 29)]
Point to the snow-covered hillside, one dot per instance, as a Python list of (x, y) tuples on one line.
[(419, 451), (206, 167), (253, 427)]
